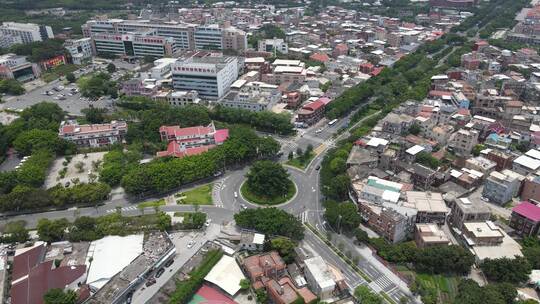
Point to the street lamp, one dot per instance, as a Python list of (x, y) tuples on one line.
[(339, 223)]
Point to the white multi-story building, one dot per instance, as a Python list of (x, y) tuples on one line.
[(501, 187), (7, 41), (184, 36), (271, 45), (95, 135), (17, 67), (79, 49), (162, 68), (208, 37), (210, 76), (321, 277), (252, 96), (133, 44), (29, 32)]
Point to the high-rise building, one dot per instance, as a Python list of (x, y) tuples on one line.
[(29, 32), (184, 36), (210, 76)]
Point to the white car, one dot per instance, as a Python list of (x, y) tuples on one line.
[(190, 244), (208, 221), (235, 194)]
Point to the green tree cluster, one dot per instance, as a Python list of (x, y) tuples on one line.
[(116, 163), (428, 160), (59, 296), (97, 85), (271, 221), (39, 50), (516, 270), (451, 259), (469, 292), (193, 220), (285, 247), (11, 86), (88, 229), (268, 179), (366, 296), (25, 198), (342, 216), (164, 174)]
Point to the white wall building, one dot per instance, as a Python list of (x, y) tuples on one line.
[(29, 32), (319, 277), (79, 49), (210, 76), (271, 45)]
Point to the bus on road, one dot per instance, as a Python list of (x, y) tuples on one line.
[(332, 122)]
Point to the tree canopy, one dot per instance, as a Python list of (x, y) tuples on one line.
[(59, 296), (268, 179), (516, 270), (271, 221), (342, 216), (366, 296)]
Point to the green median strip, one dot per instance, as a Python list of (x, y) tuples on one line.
[(339, 253)]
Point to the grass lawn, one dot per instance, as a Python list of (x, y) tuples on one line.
[(301, 162), (58, 71), (160, 202), (252, 198), (201, 195)]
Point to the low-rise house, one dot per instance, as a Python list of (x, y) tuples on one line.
[(324, 279), (525, 219), (397, 123), (488, 241), (464, 210), (427, 235), (430, 206), (501, 187), (422, 176), (463, 141), (251, 241), (391, 221), (525, 165), (480, 164), (531, 188), (93, 135), (311, 112)]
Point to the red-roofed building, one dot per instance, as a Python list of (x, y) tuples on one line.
[(93, 135), (525, 219), (376, 71), (366, 68), (340, 49), (32, 277), (209, 295), (192, 140), (311, 113), (320, 57)]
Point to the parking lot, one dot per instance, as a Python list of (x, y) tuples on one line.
[(70, 101), (184, 254)]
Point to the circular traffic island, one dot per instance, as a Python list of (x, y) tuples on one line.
[(267, 183)]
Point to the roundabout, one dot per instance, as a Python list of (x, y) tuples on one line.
[(257, 201)]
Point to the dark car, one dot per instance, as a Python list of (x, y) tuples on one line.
[(160, 272), (150, 282), (169, 263), (318, 167)]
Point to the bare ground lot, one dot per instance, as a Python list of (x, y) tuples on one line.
[(81, 166)]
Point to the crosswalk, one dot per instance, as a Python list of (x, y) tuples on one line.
[(216, 198), (129, 208), (303, 217), (383, 283)]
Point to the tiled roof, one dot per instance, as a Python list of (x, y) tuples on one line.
[(528, 210)]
